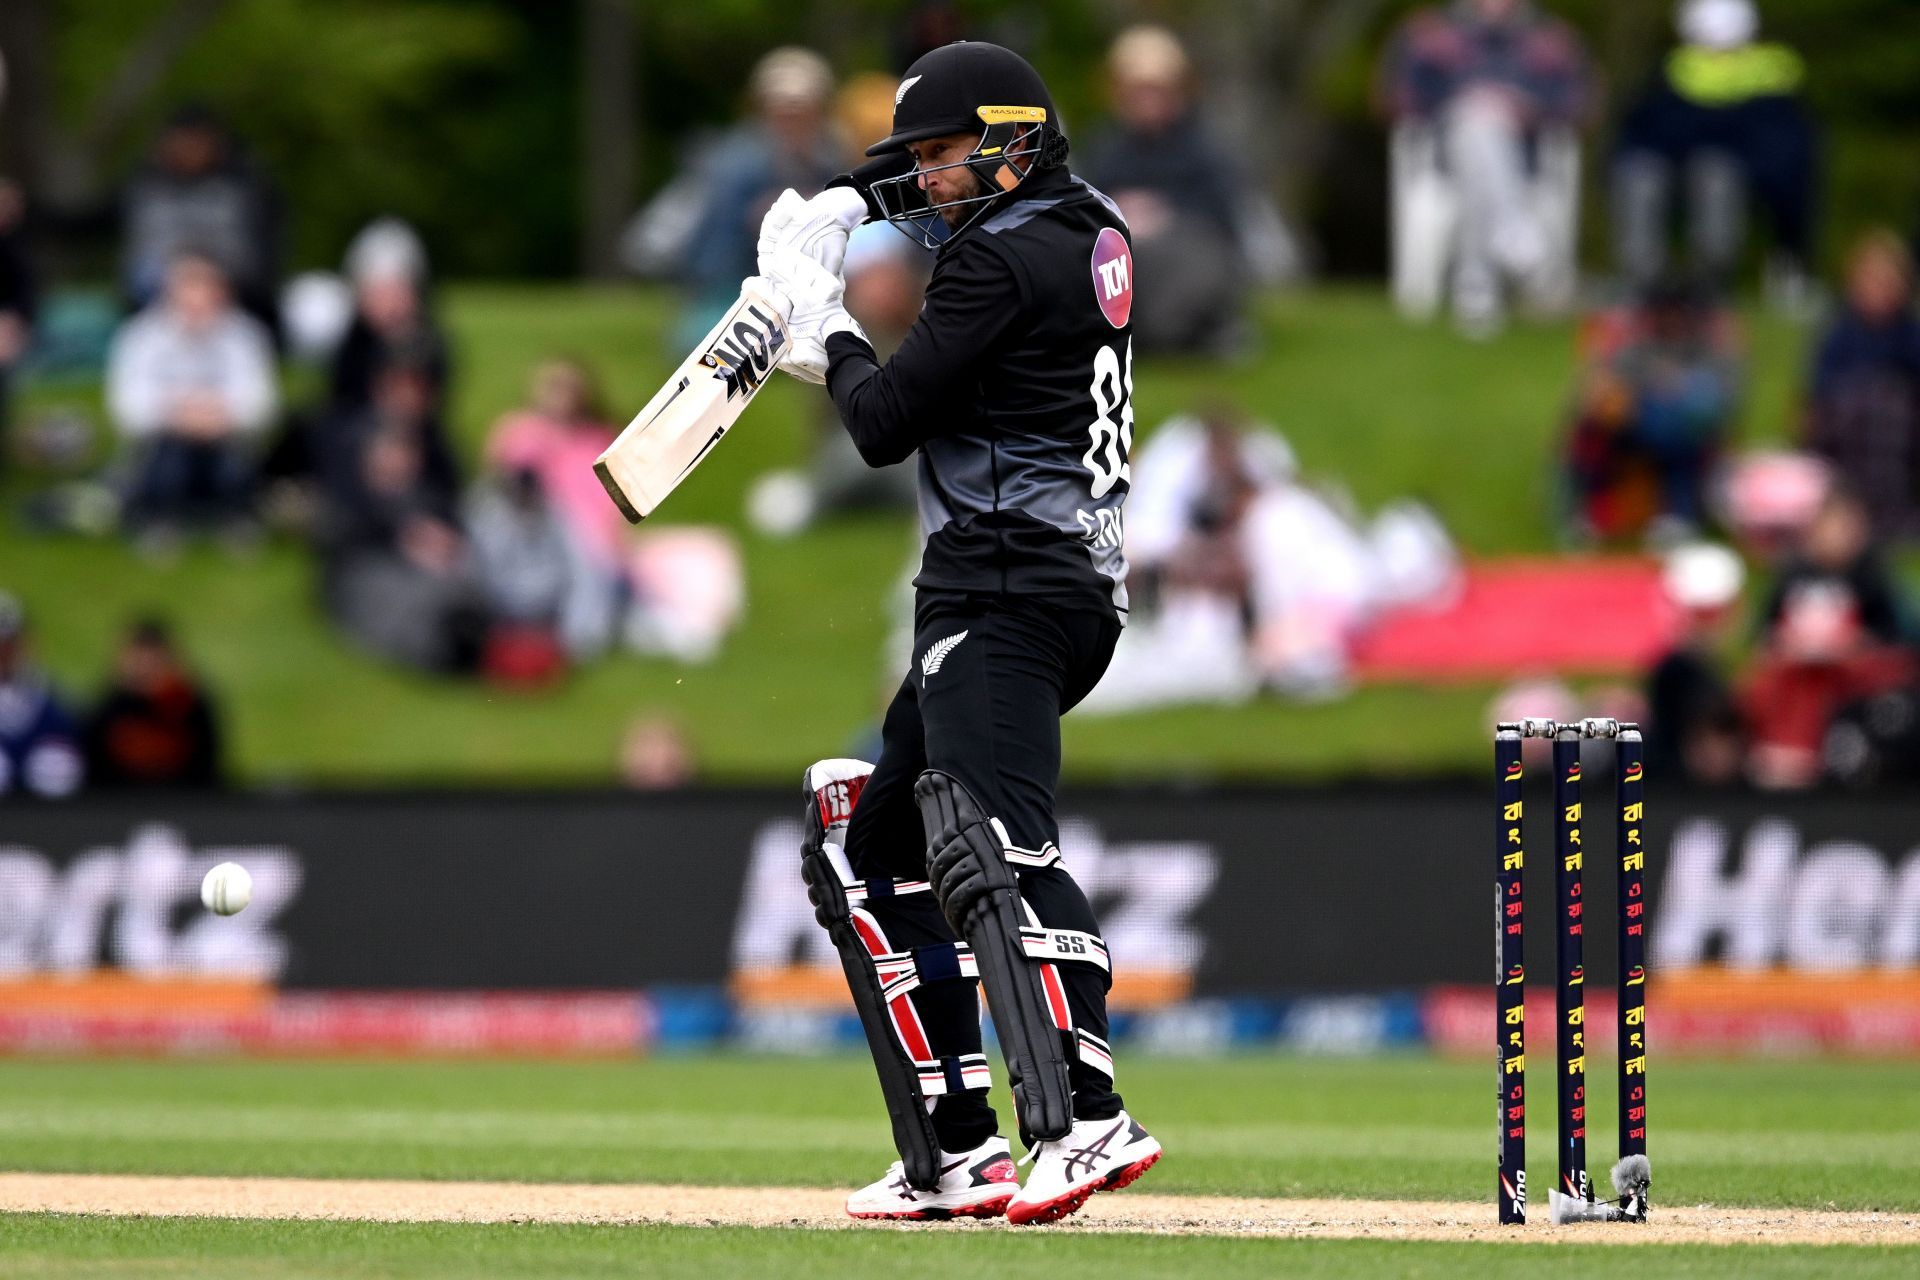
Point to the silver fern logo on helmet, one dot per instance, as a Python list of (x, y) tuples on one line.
[(905, 85)]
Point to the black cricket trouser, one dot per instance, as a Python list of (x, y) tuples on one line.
[(982, 702)]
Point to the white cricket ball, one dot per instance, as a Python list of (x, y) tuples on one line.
[(227, 889)]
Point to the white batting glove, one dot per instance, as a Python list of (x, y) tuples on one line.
[(809, 299), (805, 360), (819, 307), (817, 228)]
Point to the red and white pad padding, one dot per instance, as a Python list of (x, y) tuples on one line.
[(1048, 946), (1050, 984), (1095, 1052), (1046, 856), (901, 973), (837, 785)]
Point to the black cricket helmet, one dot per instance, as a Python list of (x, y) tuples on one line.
[(959, 88)]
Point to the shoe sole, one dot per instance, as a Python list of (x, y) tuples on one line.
[(1053, 1210), (985, 1209)]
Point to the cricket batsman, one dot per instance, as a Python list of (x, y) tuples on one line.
[(937, 869)]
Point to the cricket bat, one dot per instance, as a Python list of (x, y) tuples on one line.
[(699, 404)]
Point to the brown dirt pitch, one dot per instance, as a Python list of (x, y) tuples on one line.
[(382, 1201)]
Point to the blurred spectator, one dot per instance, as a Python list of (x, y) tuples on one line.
[(655, 755), (1657, 402), (198, 191), (1179, 192), (191, 385), (392, 324), (1863, 409), (558, 435), (1188, 639), (547, 601), (673, 591), (39, 741), (397, 574), (886, 283), (701, 230), (1321, 576), (689, 590), (1837, 589), (19, 299), (1246, 577), (1723, 124), (863, 111), (1693, 725), (1765, 498), (156, 725), (1834, 632), (402, 404), (1485, 96)]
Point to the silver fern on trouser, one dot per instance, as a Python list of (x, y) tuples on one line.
[(936, 655)]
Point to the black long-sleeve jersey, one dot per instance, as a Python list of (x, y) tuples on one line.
[(1015, 384)]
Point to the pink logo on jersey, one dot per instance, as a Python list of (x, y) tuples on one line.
[(1113, 276)]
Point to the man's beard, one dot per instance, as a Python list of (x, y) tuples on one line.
[(953, 213)]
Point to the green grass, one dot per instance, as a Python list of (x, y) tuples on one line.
[(1812, 1134), (53, 1246), (1382, 407), (1409, 1128)]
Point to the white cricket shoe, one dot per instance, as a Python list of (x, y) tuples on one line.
[(973, 1184), (1096, 1155)]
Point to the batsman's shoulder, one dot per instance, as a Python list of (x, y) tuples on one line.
[(980, 265), (1108, 210)]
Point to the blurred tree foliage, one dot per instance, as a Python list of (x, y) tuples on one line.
[(465, 115), (443, 112)]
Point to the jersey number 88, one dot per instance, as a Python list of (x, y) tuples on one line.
[(1112, 428)]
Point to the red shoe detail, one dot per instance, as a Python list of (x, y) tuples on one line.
[(1131, 1174), (993, 1208), (985, 1209), (1038, 1215)]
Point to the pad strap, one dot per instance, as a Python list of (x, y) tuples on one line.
[(940, 1076), (882, 887), (904, 971)]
